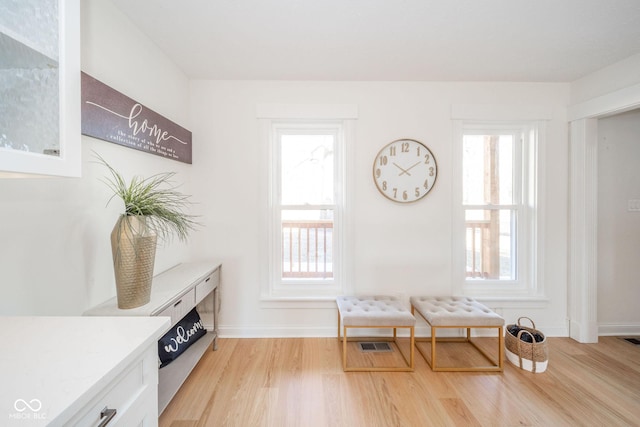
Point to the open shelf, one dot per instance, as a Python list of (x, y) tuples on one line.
[(172, 376)]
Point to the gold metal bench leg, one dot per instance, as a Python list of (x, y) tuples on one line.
[(412, 346), (433, 348), (344, 350), (501, 347)]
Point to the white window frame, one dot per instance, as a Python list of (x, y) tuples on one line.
[(306, 287), (528, 199), (301, 293)]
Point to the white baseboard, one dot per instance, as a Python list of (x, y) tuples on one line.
[(331, 332), (276, 332), (618, 329)]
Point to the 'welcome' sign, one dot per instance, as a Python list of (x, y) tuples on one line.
[(111, 116)]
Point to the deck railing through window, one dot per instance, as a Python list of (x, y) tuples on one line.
[(307, 247), (478, 248)]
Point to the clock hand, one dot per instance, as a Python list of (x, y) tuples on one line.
[(403, 170), (411, 167)]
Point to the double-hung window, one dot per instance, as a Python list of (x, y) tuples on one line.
[(496, 201), (306, 224)]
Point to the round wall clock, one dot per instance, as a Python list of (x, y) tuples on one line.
[(405, 170)]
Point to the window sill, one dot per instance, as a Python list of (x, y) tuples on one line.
[(323, 302), (512, 301)]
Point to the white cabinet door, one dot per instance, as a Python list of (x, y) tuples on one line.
[(40, 88)]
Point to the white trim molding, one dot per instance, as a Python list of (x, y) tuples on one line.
[(335, 118), (583, 232), (583, 215), (612, 103), (531, 134), (307, 111), (505, 112)]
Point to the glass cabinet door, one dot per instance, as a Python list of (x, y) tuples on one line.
[(39, 87)]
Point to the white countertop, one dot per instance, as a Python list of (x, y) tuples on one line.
[(56, 364)]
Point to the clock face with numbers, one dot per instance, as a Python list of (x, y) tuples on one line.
[(405, 170)]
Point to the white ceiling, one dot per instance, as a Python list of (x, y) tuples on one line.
[(433, 40)]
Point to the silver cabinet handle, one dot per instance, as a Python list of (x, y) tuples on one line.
[(109, 414)]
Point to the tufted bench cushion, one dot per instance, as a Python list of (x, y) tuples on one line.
[(373, 311), (455, 311)]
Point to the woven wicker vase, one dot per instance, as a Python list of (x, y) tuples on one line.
[(133, 246)]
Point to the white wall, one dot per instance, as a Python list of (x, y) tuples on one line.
[(618, 229), (398, 249), (55, 256)]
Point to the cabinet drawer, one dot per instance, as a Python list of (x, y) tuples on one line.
[(120, 395), (205, 287), (180, 307)]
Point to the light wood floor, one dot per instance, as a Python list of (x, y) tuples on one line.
[(300, 382)]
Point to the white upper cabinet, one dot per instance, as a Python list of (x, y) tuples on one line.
[(40, 87)]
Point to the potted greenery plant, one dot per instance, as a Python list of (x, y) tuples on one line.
[(153, 209)]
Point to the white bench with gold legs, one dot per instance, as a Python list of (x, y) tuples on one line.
[(375, 312), (461, 313)]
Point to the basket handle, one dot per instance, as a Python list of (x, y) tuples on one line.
[(533, 325), (520, 342)]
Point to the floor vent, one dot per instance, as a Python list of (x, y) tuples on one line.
[(635, 341), (375, 347)]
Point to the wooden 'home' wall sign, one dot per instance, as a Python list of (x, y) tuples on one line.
[(111, 116)]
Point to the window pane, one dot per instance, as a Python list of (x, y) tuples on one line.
[(307, 169), (307, 244), (491, 244), (487, 167)]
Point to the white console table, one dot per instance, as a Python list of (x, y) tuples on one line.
[(174, 293)]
